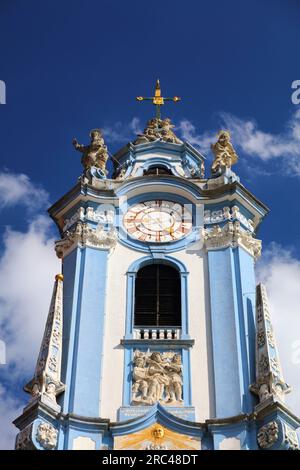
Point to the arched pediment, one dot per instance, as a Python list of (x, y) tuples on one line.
[(158, 429)]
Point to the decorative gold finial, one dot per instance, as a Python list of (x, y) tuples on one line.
[(59, 277), (158, 100)]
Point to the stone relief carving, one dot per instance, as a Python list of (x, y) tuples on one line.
[(227, 213), (268, 434), (46, 383), (95, 154), (233, 235), (23, 440), (79, 215), (100, 216), (269, 381), (225, 155), (290, 438), (46, 435), (157, 377), (84, 235), (158, 129)]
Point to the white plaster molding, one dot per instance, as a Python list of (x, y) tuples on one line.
[(84, 443), (232, 235), (230, 443), (100, 216), (225, 214), (79, 215), (83, 235)]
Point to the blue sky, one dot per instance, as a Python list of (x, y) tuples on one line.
[(73, 66)]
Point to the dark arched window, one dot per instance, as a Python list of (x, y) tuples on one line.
[(158, 170), (157, 296)]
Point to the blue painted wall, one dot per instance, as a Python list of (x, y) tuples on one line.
[(232, 291), (85, 274)]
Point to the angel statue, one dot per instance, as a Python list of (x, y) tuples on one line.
[(95, 154), (225, 155)]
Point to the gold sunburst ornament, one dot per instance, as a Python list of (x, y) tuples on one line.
[(158, 432), (158, 100)]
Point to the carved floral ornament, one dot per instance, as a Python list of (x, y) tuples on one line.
[(232, 235), (46, 435), (84, 235), (268, 434)]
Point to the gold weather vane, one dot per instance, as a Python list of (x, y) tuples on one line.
[(157, 99)]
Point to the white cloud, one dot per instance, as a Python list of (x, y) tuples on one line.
[(27, 268), (188, 132), (280, 272), (252, 141), (18, 189), (9, 409), (120, 132)]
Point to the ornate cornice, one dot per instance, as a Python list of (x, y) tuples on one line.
[(232, 235), (83, 235), (225, 214)]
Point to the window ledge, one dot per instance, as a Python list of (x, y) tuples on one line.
[(158, 342)]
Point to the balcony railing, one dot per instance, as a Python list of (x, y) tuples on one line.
[(147, 333)]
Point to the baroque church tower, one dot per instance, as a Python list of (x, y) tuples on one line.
[(157, 335)]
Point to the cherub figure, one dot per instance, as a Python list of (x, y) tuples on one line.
[(158, 129), (94, 154), (167, 132), (149, 134), (225, 155)]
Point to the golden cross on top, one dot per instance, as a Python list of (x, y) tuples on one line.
[(157, 99)]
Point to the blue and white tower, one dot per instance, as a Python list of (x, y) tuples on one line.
[(157, 335)]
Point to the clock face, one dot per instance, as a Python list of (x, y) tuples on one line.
[(158, 221)]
